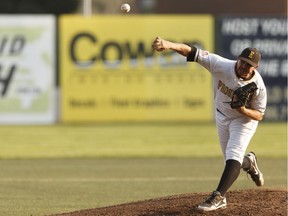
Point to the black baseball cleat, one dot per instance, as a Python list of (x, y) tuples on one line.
[(215, 201), (254, 171)]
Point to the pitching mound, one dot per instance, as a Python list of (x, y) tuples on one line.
[(245, 202)]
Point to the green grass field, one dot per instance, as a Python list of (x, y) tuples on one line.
[(61, 168)]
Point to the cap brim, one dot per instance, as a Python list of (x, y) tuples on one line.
[(248, 61)]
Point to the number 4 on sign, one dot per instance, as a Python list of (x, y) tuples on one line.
[(5, 82)]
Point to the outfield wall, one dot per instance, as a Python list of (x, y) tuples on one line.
[(109, 73)]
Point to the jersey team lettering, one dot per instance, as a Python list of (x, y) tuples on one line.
[(224, 89)]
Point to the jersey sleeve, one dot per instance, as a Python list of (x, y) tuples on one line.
[(204, 58), (260, 101)]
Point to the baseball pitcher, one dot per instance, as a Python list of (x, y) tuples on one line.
[(240, 102)]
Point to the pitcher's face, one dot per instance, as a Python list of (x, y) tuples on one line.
[(244, 70)]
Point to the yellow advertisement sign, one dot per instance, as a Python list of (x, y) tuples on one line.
[(109, 71)]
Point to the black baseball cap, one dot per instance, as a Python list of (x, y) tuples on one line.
[(250, 55)]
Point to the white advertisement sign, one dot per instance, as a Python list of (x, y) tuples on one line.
[(27, 69)]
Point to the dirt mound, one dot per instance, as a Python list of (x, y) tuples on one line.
[(243, 202)]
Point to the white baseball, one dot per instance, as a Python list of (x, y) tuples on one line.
[(125, 8)]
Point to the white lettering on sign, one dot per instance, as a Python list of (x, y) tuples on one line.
[(274, 27), (240, 27)]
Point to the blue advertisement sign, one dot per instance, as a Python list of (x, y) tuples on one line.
[(269, 36)]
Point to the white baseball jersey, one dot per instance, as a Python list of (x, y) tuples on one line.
[(225, 82), (235, 130)]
